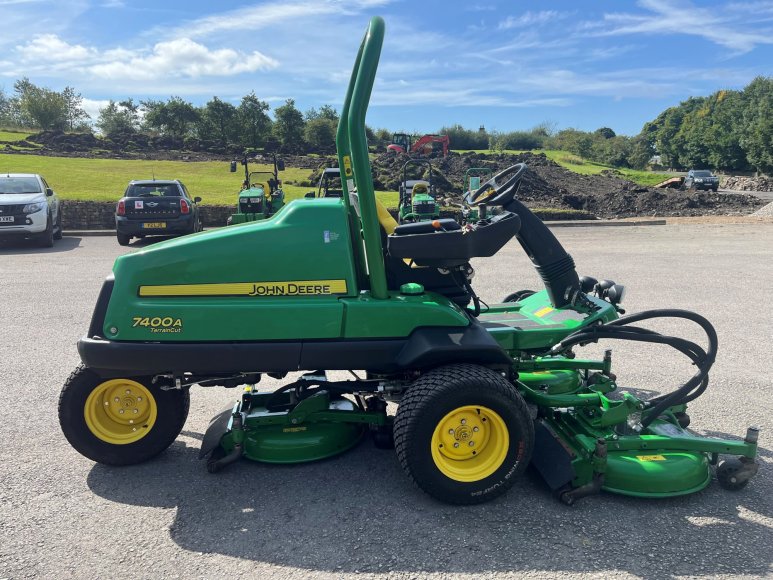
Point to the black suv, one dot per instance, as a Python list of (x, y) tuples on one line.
[(156, 208), (701, 179)]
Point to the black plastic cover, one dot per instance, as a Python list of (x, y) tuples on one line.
[(449, 248)]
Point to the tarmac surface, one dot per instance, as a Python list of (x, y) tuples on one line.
[(62, 516)]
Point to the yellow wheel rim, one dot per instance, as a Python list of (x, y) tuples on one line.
[(470, 443), (120, 411)]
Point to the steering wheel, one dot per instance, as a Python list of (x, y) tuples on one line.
[(500, 189)]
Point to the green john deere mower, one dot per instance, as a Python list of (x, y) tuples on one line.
[(482, 391), (261, 195), (417, 201)]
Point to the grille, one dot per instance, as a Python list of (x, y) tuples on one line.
[(12, 209), (424, 207), (247, 207)]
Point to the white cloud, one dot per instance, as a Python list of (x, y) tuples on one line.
[(730, 26), (178, 58), (183, 57), (49, 47), (92, 107), (268, 15), (531, 19)]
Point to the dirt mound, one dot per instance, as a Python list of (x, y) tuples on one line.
[(749, 183), (548, 185)]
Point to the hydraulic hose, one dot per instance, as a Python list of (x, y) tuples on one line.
[(619, 330)]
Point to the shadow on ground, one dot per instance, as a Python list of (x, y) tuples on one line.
[(20, 246), (359, 512)]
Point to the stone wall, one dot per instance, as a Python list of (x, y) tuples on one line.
[(100, 215)]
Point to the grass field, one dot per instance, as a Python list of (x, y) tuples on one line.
[(11, 135), (106, 179), (584, 167)]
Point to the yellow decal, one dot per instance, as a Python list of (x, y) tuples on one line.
[(158, 324), (347, 166), (650, 458), (293, 429), (543, 311), (290, 288)]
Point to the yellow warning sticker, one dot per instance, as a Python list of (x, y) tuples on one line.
[(347, 166), (650, 458), (290, 288), (543, 311)]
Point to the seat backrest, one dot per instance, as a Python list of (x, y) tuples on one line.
[(385, 219)]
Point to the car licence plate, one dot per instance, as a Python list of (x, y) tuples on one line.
[(154, 225), (6, 219)]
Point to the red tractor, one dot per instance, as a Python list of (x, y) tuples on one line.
[(425, 145)]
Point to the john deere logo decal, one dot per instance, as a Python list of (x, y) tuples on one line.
[(258, 289)]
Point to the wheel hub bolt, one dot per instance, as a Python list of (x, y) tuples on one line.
[(131, 420), (128, 392), (456, 444), (464, 421), (139, 399), (475, 429), (120, 411), (471, 443), (135, 411), (450, 431), (106, 403), (117, 400)]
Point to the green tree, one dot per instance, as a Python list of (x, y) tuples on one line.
[(6, 110), (73, 103), (757, 138), (724, 132), (41, 107), (641, 152), (463, 138), (320, 134), (328, 112), (254, 121), (219, 120), (119, 119), (174, 118), (605, 132), (289, 126)]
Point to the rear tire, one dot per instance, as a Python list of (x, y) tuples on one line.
[(123, 239), (88, 416), (463, 434)]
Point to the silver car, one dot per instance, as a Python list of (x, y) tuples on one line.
[(29, 209)]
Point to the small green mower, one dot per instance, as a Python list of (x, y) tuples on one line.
[(261, 195), (329, 184), (417, 196), (482, 391)]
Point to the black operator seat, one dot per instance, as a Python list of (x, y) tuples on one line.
[(403, 270), (444, 243)]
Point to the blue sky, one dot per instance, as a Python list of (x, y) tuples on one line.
[(505, 64)]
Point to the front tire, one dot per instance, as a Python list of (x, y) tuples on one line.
[(58, 230), (123, 239), (46, 239), (463, 434), (120, 421)]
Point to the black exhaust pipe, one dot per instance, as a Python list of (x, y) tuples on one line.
[(554, 265)]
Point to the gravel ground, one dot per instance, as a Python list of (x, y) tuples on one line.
[(61, 516)]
